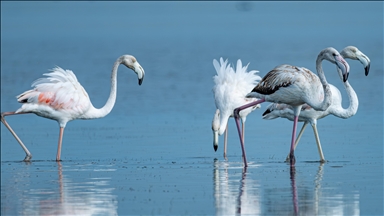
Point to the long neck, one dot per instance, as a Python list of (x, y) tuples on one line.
[(223, 122), (323, 105), (339, 111), (106, 109)]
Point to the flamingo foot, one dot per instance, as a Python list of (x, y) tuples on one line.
[(292, 159), (287, 159), (28, 158)]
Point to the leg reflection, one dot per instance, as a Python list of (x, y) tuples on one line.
[(294, 190), (235, 192)]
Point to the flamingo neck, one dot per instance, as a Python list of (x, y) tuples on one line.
[(353, 101), (107, 108), (322, 105), (223, 122)]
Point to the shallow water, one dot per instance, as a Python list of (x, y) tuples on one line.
[(153, 153)]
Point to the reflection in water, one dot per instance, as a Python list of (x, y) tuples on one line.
[(93, 197), (237, 192), (294, 189), (233, 192), (322, 204), (333, 203)]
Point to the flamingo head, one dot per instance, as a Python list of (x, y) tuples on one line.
[(332, 55), (352, 52), (215, 129), (132, 63)]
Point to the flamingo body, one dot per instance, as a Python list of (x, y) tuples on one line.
[(59, 97), (289, 84)]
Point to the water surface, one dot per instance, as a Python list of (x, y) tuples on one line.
[(153, 153)]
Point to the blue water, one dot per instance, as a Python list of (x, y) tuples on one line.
[(153, 153)]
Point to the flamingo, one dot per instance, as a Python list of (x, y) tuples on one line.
[(60, 97), (309, 115), (295, 86), (229, 92)]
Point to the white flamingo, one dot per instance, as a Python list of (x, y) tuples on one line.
[(229, 92), (295, 86), (60, 97), (310, 115)]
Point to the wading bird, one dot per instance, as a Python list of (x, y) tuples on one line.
[(310, 115), (295, 86), (231, 87), (60, 97)]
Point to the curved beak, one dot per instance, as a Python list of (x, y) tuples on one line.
[(216, 129), (140, 74), (343, 65), (365, 61), (139, 71), (215, 140), (367, 70)]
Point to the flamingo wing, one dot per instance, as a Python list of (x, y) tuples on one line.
[(282, 76), (59, 90)]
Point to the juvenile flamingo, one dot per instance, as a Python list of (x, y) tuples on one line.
[(295, 86), (229, 92), (310, 115), (60, 97)]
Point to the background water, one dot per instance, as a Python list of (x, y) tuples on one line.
[(153, 153)]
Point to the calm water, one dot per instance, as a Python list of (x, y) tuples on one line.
[(153, 153)]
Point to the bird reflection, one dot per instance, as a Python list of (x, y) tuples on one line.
[(92, 197), (233, 192)]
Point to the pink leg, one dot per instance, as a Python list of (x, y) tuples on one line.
[(292, 154), (59, 145), (242, 131), (28, 157), (241, 142), (236, 114)]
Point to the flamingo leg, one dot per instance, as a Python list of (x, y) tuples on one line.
[(322, 159), (296, 110), (292, 158), (241, 142), (225, 142), (28, 156), (298, 138), (242, 132), (59, 145), (236, 114)]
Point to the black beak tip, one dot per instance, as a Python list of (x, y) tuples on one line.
[(140, 81), (346, 77), (367, 70), (215, 147)]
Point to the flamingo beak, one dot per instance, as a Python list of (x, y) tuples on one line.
[(365, 61), (141, 81), (344, 67), (215, 140), (367, 70), (140, 73)]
